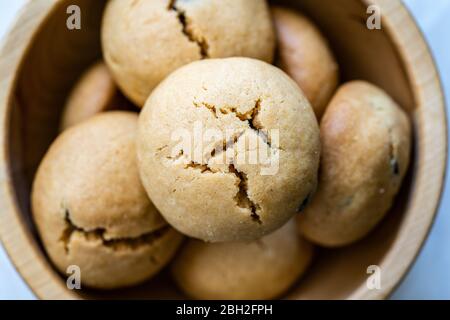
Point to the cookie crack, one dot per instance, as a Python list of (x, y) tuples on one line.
[(224, 145), (201, 167), (208, 106), (242, 198), (200, 41), (218, 150), (118, 244), (250, 117), (254, 113), (176, 157), (258, 127)]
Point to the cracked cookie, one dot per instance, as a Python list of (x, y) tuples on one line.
[(94, 92), (303, 53), (145, 40), (91, 209), (228, 149), (366, 141), (261, 269)]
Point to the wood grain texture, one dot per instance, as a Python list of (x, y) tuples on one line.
[(41, 60)]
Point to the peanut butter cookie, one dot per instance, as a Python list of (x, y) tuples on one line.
[(228, 149), (94, 92), (145, 40), (303, 53), (91, 209), (366, 142), (262, 269)]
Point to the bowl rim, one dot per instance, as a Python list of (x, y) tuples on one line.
[(417, 59), (26, 256)]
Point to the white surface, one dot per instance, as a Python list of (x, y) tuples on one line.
[(430, 276)]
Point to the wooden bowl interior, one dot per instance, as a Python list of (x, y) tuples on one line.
[(57, 56)]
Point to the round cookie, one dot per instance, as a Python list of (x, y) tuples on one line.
[(94, 92), (366, 141), (91, 209), (144, 41), (228, 149), (262, 269), (303, 53)]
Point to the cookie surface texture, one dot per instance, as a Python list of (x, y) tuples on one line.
[(91, 209), (228, 149), (366, 142), (145, 40), (262, 269), (304, 54)]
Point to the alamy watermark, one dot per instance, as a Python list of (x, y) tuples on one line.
[(374, 20), (74, 279), (73, 21), (213, 148), (373, 282)]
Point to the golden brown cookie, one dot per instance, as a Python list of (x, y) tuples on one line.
[(144, 41), (91, 209), (366, 141), (94, 92), (303, 53), (228, 149), (262, 269)]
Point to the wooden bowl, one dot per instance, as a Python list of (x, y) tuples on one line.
[(41, 59)]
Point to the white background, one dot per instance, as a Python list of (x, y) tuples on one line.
[(430, 276)]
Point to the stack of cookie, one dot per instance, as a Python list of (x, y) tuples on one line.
[(196, 145)]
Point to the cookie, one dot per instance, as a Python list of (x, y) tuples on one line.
[(228, 149), (94, 92), (144, 41), (262, 269), (303, 53), (366, 142), (91, 209)]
